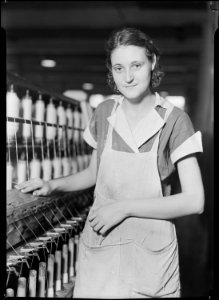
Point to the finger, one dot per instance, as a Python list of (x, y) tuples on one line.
[(38, 193), (30, 184), (22, 185), (94, 222), (98, 227), (27, 189), (92, 216), (104, 230), (41, 192)]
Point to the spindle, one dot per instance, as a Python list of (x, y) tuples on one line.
[(65, 263), (9, 292), (32, 283), (71, 257), (42, 279), (21, 287), (50, 276), (58, 261)]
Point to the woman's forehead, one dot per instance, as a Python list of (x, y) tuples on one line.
[(128, 53)]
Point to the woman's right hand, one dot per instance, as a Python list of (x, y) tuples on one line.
[(39, 187)]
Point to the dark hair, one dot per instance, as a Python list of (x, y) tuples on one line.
[(135, 37)]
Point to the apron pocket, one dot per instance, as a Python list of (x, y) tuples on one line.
[(97, 272), (156, 272)]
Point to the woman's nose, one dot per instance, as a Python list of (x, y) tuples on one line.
[(128, 76)]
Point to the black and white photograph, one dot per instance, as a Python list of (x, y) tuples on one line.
[(109, 148)]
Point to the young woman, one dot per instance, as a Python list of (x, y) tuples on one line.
[(128, 248)]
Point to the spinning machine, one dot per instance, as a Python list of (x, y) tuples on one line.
[(44, 140)]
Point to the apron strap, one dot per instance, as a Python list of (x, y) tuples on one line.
[(169, 107), (110, 129)]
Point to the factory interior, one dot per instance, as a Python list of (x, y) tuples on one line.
[(55, 59)]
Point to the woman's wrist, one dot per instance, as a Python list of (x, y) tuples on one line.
[(126, 208), (52, 185)]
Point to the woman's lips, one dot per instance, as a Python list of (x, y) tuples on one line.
[(130, 86)]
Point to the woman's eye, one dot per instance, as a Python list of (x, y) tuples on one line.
[(118, 69), (136, 66)]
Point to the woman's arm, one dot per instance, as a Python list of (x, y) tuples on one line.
[(78, 181), (189, 201)]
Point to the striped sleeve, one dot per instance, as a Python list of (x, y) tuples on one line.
[(184, 140)]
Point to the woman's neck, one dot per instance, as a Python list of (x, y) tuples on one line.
[(141, 107)]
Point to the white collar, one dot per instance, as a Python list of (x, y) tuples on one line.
[(145, 129)]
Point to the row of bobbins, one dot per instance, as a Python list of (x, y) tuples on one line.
[(46, 267), (43, 141)]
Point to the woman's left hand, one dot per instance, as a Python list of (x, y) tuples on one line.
[(102, 218)]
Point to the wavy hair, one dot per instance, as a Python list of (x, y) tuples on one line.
[(132, 36)]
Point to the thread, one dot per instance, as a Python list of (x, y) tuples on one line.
[(69, 117), (61, 119), (39, 116), (26, 104), (21, 169), (66, 166), (51, 117), (35, 168), (57, 167), (47, 169), (86, 160), (12, 110), (77, 122), (80, 162), (9, 176), (74, 166)]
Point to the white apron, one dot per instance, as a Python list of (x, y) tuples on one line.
[(139, 257)]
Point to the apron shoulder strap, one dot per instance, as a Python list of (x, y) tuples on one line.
[(169, 107), (110, 127)]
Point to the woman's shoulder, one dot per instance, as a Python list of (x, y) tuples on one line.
[(105, 107), (178, 115)]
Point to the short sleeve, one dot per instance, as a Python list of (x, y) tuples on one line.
[(90, 133), (96, 129), (184, 140)]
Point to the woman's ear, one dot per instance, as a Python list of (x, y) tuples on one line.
[(153, 62)]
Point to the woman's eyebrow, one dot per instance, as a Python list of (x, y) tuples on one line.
[(116, 64), (132, 62)]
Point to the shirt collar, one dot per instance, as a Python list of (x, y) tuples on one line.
[(144, 130)]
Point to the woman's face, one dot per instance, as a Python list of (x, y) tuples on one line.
[(131, 70)]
